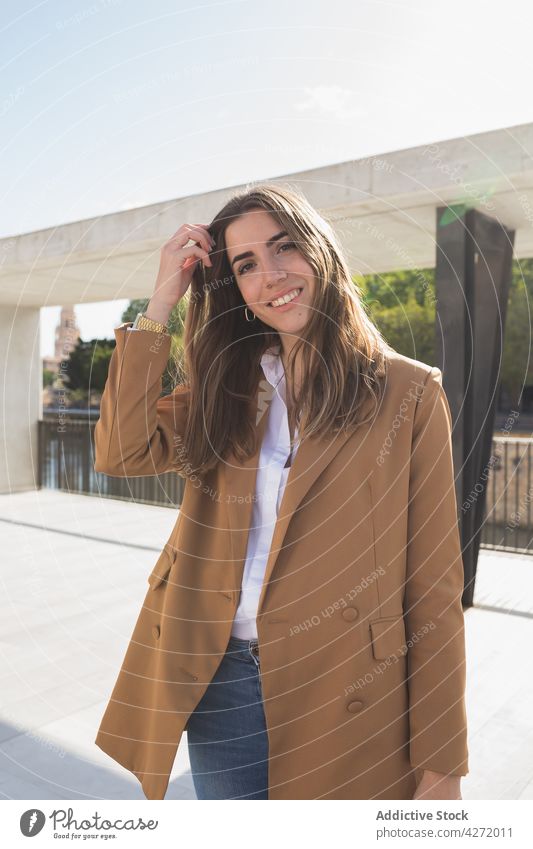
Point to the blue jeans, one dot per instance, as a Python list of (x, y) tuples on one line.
[(226, 733)]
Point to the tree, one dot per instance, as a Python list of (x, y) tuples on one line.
[(517, 365), (402, 305), (48, 377), (88, 364)]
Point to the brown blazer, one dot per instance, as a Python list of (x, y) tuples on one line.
[(360, 622)]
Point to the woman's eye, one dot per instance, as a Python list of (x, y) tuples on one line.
[(242, 269)]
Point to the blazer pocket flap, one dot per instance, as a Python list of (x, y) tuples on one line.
[(388, 637), (162, 566)]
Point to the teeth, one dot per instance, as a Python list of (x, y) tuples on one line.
[(286, 298)]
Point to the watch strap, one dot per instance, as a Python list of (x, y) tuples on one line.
[(142, 322)]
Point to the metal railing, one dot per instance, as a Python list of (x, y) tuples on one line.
[(66, 462), (508, 509)]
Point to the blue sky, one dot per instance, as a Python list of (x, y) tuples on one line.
[(109, 104)]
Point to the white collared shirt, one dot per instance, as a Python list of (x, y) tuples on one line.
[(270, 486)]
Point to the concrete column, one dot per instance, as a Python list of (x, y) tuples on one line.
[(20, 396)]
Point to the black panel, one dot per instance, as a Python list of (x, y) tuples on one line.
[(473, 274)]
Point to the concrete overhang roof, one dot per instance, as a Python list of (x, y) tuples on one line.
[(382, 207)]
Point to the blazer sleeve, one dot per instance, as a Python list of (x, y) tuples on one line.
[(434, 584), (138, 432)]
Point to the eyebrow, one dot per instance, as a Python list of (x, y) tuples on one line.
[(251, 253)]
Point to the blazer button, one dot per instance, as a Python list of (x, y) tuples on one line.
[(354, 707), (350, 613), (156, 630)]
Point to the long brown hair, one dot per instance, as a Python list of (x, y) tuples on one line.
[(343, 353)]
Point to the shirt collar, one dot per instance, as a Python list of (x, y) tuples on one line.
[(272, 365)]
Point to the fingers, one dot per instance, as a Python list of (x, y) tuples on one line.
[(194, 232), (195, 250)]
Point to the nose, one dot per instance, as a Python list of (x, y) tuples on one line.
[(272, 273)]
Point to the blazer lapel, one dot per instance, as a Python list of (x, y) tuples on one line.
[(314, 454)]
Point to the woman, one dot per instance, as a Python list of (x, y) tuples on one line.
[(303, 622)]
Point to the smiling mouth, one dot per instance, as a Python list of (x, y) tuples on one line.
[(291, 296)]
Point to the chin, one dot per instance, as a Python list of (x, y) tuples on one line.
[(292, 324)]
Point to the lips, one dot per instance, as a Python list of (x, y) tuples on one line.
[(298, 289)]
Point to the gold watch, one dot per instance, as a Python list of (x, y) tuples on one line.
[(142, 322)]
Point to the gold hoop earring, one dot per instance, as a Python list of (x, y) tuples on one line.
[(246, 315)]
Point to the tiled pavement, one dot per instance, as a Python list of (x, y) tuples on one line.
[(73, 572)]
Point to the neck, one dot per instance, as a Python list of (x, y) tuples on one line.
[(287, 344)]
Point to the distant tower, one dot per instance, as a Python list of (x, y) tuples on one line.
[(67, 333)]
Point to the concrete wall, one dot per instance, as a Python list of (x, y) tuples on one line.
[(20, 397)]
